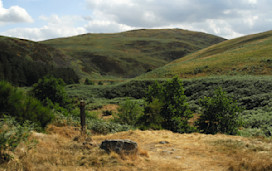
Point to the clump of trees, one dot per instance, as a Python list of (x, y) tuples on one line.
[(166, 107)]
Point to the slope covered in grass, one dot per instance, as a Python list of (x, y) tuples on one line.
[(131, 53), (248, 55)]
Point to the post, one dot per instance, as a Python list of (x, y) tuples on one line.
[(82, 117)]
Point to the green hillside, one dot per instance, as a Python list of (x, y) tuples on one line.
[(23, 62), (131, 53), (248, 55)]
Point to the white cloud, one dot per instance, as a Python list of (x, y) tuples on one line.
[(14, 14), (229, 19), (56, 27), (100, 26)]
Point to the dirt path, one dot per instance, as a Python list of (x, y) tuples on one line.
[(61, 149)]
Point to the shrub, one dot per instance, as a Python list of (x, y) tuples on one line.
[(88, 82), (11, 134), (220, 114), (50, 88), (14, 102), (260, 119), (129, 112), (174, 112)]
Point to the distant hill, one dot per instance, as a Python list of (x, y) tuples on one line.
[(131, 53), (23, 62), (248, 55)]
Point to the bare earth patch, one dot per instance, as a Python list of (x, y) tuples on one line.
[(159, 150)]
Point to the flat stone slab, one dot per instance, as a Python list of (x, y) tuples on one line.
[(120, 146)]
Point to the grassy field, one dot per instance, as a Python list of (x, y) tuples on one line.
[(248, 55), (59, 149), (131, 53)]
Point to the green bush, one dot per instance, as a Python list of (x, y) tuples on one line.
[(14, 102), (50, 88), (129, 113), (220, 114), (152, 118), (11, 134), (260, 119), (175, 111), (88, 82)]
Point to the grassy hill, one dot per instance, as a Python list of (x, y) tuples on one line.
[(248, 55), (23, 62), (131, 53)]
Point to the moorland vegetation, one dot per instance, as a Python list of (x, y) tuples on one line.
[(223, 103)]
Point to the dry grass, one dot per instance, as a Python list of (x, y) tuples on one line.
[(60, 150)]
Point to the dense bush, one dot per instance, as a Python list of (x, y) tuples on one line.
[(14, 102), (258, 122), (220, 114), (129, 113), (11, 134), (88, 82), (50, 88)]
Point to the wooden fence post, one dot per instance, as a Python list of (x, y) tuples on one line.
[(82, 117)]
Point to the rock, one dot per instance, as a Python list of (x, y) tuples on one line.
[(120, 146), (164, 142)]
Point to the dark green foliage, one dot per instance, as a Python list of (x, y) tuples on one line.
[(220, 114), (14, 102), (107, 113), (50, 88), (11, 134), (151, 118), (175, 111), (129, 113), (135, 88), (88, 82), (23, 72)]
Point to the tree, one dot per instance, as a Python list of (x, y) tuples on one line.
[(129, 112), (50, 88), (175, 110), (220, 114), (151, 118)]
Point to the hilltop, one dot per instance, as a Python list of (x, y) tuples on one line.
[(248, 55), (23, 62), (131, 53)]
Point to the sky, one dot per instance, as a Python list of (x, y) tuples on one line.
[(47, 19)]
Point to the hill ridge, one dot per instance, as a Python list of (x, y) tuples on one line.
[(131, 53)]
